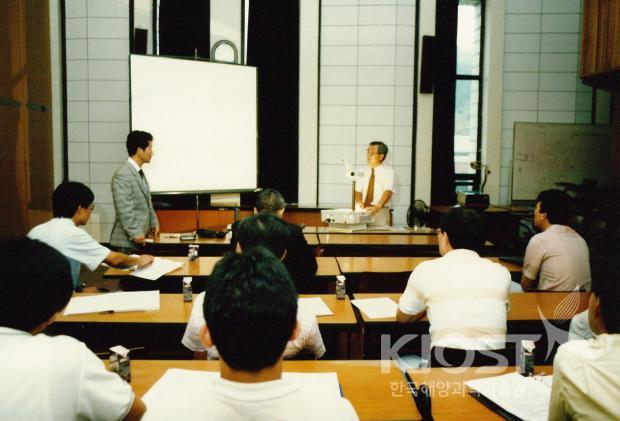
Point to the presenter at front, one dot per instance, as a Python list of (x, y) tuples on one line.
[(135, 215), (374, 191)]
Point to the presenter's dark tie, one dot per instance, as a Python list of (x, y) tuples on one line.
[(371, 189), (141, 174)]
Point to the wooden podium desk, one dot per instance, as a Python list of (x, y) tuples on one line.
[(371, 231), (363, 383), (169, 244), (524, 318), (390, 274), (202, 268), (161, 331), (396, 245), (450, 399)]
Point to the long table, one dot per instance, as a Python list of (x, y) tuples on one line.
[(201, 268), (363, 383), (449, 395), (161, 331), (390, 274), (537, 315)]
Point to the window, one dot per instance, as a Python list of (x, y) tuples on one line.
[(467, 105)]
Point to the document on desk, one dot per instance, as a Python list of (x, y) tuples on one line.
[(526, 398), (157, 269), (376, 308), (181, 394), (114, 301), (314, 305)]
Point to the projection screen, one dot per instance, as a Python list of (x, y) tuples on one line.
[(202, 117)]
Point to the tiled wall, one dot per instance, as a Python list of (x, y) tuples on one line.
[(97, 47), (541, 64), (366, 93)]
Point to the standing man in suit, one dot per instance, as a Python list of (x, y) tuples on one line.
[(299, 259), (374, 191), (135, 216)]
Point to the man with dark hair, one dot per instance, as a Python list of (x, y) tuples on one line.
[(377, 187), (586, 373), (268, 231), (299, 259), (250, 308), (73, 204), (464, 296), (557, 258), (45, 377), (135, 216)]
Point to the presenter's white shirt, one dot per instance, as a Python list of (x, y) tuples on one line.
[(309, 338), (559, 257), (72, 242), (385, 179), (466, 299), (586, 380), (56, 378), (273, 400)]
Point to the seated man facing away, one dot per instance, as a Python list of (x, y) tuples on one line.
[(465, 296), (299, 259), (556, 259), (44, 377), (73, 204), (580, 327), (250, 308), (586, 373), (270, 232)]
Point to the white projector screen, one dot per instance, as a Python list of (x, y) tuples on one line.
[(202, 117)]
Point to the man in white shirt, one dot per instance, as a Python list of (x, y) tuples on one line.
[(464, 296), (556, 259), (135, 216), (374, 191), (271, 232), (586, 373), (251, 307), (72, 206), (44, 377)]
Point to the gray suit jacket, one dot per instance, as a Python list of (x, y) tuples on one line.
[(135, 215)]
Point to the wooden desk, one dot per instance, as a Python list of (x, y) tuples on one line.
[(450, 397), (524, 306), (203, 266), (363, 383), (522, 319), (169, 244), (392, 230), (351, 264), (383, 245), (160, 331), (312, 239)]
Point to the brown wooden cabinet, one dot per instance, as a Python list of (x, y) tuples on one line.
[(600, 44)]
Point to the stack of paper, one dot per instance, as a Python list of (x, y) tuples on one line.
[(115, 301), (376, 308), (524, 397), (157, 269), (315, 306), (178, 392)]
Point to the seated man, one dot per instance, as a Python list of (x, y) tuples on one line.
[(250, 308), (44, 377), (586, 373), (299, 259), (465, 296), (556, 259), (72, 205), (580, 327), (270, 232)]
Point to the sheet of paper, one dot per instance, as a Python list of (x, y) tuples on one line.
[(114, 301), (157, 269), (376, 308), (314, 305), (176, 394), (524, 397)]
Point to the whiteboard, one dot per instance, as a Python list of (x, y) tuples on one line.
[(547, 153), (202, 117)]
